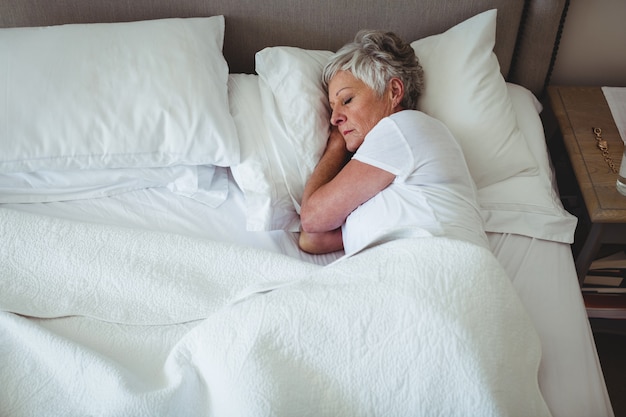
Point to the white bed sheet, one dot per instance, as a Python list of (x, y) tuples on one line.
[(544, 276), (542, 272), (162, 210)]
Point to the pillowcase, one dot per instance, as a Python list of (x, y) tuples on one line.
[(207, 184), (94, 96), (465, 89), (528, 205), (463, 81), (284, 137), (296, 111), (268, 202)]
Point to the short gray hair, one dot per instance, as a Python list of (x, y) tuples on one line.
[(375, 57)]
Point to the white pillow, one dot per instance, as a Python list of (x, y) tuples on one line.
[(268, 204), (92, 96), (296, 110), (465, 89), (284, 137), (528, 205)]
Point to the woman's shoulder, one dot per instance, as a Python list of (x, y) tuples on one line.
[(415, 119)]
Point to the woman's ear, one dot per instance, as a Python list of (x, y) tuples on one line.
[(396, 90)]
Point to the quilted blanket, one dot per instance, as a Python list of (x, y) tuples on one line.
[(101, 320)]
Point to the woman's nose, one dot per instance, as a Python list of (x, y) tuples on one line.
[(336, 118)]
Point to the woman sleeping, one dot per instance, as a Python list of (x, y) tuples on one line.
[(386, 165)]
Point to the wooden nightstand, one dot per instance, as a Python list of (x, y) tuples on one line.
[(578, 110)]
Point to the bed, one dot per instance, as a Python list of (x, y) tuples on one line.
[(153, 155)]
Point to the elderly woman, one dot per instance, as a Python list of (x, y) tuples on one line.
[(387, 166)]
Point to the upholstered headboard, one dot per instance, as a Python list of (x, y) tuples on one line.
[(526, 36)]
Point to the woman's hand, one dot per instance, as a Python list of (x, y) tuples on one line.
[(323, 242), (336, 143)]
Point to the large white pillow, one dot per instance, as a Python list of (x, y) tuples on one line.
[(465, 89), (92, 96), (471, 98), (528, 205)]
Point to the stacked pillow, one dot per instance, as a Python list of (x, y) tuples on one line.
[(88, 98)]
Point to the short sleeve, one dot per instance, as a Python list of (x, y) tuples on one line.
[(385, 147)]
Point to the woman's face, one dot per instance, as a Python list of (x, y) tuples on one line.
[(356, 108)]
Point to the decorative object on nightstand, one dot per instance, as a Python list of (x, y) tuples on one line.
[(604, 148)]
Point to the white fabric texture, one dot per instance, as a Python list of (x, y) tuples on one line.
[(298, 134), (268, 202), (150, 278), (528, 205), (432, 190), (160, 209), (544, 276), (206, 183), (138, 94), (463, 87), (435, 323), (294, 110)]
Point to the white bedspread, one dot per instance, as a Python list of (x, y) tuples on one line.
[(152, 324)]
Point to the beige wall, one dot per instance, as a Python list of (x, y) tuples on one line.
[(593, 45)]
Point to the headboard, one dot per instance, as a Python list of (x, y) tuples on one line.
[(527, 33)]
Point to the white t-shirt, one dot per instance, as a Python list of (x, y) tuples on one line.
[(433, 192)]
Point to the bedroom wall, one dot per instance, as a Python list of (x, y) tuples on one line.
[(593, 45)]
